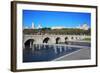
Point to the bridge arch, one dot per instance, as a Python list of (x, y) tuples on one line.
[(76, 38), (72, 38), (58, 40), (29, 43), (66, 40), (46, 40), (27, 38)]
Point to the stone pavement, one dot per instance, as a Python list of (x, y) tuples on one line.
[(81, 54)]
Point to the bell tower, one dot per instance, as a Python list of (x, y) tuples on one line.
[(33, 26)]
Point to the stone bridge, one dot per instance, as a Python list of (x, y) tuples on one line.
[(50, 39)]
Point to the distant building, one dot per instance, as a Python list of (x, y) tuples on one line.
[(33, 26), (84, 27), (39, 26)]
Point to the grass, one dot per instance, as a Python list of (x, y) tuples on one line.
[(87, 39)]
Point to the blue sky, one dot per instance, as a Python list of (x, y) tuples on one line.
[(55, 19)]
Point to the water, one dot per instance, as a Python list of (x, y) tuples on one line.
[(48, 53)]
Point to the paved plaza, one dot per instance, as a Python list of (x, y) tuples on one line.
[(81, 54)]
